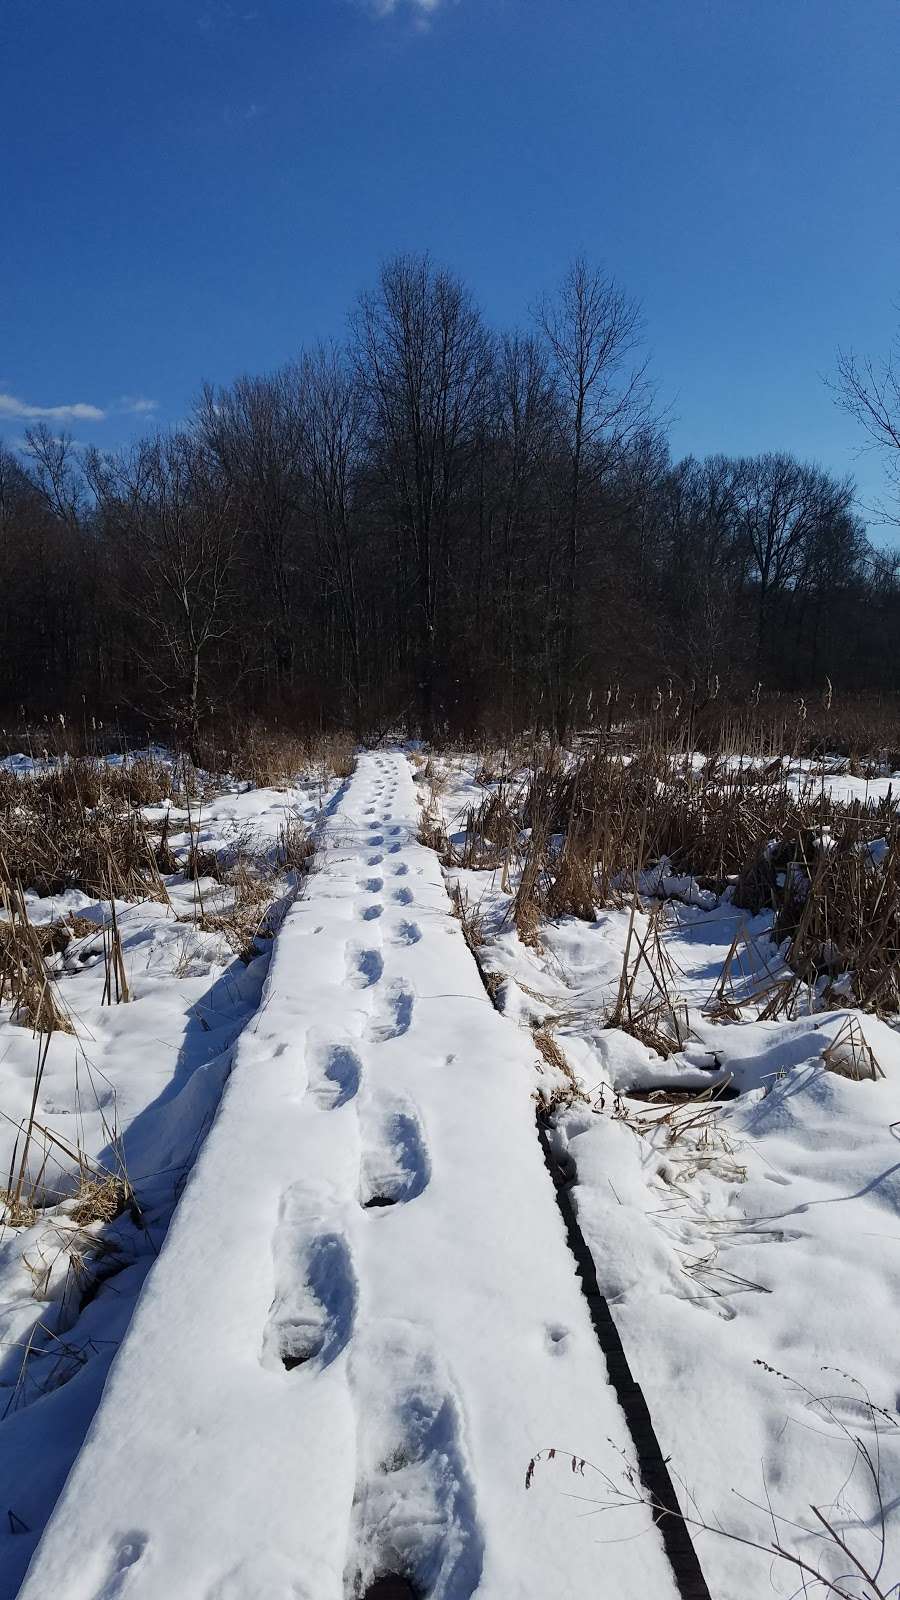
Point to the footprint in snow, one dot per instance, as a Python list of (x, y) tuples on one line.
[(129, 1552), (371, 913), (333, 1070), (406, 933), (394, 1013), (372, 885), (410, 1453), (394, 1166), (393, 849), (403, 897), (364, 967), (376, 838), (375, 860), (312, 1315)]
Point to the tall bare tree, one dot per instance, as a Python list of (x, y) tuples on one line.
[(180, 527), (253, 432), (422, 353), (331, 409), (592, 328)]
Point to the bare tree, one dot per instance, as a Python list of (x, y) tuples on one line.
[(331, 408), (523, 404), (181, 528), (592, 327), (782, 506), (422, 353), (870, 393), (56, 472), (252, 430)]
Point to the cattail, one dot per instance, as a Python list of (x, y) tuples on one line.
[(828, 696), (657, 698), (801, 710)]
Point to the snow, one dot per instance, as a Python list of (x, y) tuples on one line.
[(763, 1229), (365, 1318), (135, 1088)]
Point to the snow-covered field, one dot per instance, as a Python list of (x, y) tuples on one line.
[(363, 1319), (762, 1229), (132, 1090)]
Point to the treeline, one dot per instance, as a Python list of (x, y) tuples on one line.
[(435, 524)]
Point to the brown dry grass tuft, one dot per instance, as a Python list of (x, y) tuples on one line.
[(851, 1056), (24, 978), (431, 831), (566, 1092)]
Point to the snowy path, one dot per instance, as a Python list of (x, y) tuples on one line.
[(365, 1319)]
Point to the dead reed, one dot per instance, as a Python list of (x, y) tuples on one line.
[(577, 830)]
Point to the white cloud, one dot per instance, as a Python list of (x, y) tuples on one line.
[(137, 405), (11, 406)]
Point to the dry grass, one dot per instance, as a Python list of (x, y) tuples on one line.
[(80, 827), (574, 832), (863, 731), (24, 979), (274, 758), (99, 1199), (851, 1056), (431, 830), (566, 1091), (470, 919), (243, 909)]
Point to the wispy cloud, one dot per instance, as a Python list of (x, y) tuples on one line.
[(12, 407), (136, 405), (423, 9)]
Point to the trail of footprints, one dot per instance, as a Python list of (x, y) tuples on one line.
[(414, 1529)]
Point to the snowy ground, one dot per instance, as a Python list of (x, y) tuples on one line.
[(765, 1229), (365, 1318), (135, 1087)]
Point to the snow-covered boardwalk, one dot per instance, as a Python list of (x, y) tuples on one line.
[(365, 1318)]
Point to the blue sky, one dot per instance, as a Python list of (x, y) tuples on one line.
[(193, 188)]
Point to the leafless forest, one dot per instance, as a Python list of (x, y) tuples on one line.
[(443, 527)]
